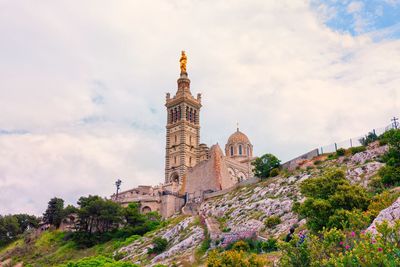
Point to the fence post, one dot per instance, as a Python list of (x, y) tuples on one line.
[(335, 147)]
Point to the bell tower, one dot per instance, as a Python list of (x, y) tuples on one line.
[(183, 128)]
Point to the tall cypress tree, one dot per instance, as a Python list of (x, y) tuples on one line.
[(54, 212)]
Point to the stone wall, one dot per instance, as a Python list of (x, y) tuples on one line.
[(249, 181), (209, 175), (292, 164), (170, 205)]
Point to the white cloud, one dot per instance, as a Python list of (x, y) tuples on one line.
[(355, 6), (88, 82)]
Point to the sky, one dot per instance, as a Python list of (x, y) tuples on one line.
[(83, 84)]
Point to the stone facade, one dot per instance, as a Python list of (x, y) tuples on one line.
[(191, 169), (183, 131)]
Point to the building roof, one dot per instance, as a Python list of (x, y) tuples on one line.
[(238, 137)]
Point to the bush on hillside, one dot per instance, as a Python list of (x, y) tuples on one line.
[(272, 221), (327, 196), (235, 258), (340, 152), (333, 247), (99, 261), (357, 149), (159, 245)]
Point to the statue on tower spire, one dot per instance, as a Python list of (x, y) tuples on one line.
[(183, 61)]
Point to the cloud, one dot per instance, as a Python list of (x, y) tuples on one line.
[(88, 86), (355, 6)]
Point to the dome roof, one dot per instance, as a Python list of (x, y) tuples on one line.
[(238, 137)]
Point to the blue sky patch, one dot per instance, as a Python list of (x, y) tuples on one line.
[(361, 17)]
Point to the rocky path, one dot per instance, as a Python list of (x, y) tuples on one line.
[(213, 227)]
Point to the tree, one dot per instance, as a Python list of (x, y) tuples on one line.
[(9, 229), (54, 212), (368, 139), (98, 215), (26, 221), (264, 165)]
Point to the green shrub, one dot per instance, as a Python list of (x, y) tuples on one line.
[(241, 245), (328, 196), (274, 172), (98, 261), (334, 247), (390, 175), (159, 245), (340, 152), (235, 258), (272, 221), (357, 149)]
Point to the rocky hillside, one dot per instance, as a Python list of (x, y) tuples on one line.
[(262, 210)]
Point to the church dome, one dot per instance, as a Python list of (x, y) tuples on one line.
[(238, 137), (238, 146)]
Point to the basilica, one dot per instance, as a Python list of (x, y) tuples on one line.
[(192, 169)]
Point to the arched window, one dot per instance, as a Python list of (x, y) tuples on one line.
[(231, 150), (171, 116), (175, 159), (187, 113), (191, 115), (179, 113), (194, 117), (175, 139), (240, 150)]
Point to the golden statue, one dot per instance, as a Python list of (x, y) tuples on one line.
[(183, 62)]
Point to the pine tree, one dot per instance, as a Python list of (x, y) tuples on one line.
[(54, 212)]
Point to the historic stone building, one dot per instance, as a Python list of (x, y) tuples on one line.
[(191, 168)]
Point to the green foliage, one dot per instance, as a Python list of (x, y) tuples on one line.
[(9, 229), (98, 215), (272, 221), (12, 226), (54, 212), (340, 152), (357, 149), (328, 197), (99, 221), (274, 172), (254, 246), (368, 139), (264, 165), (159, 245), (235, 258), (335, 247), (390, 175), (99, 261)]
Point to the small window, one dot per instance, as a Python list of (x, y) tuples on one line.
[(175, 159), (190, 139), (231, 150), (175, 139), (248, 151), (190, 161), (240, 149)]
